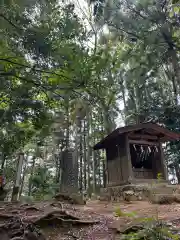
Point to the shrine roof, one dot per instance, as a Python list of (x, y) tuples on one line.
[(162, 134)]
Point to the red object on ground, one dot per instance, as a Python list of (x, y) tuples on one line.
[(2, 180)]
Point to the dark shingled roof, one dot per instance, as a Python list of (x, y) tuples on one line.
[(156, 130)]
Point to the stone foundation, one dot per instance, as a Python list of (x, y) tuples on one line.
[(126, 192), (135, 192)]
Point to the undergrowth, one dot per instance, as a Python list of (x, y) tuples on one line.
[(146, 228)]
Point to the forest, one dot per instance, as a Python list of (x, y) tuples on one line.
[(73, 71)]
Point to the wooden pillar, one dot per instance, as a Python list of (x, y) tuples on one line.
[(162, 163), (154, 159), (114, 165), (125, 159), (106, 169), (130, 170)]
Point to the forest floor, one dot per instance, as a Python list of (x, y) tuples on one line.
[(95, 220)]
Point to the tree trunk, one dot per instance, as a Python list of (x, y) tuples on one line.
[(80, 158), (68, 124), (18, 177), (58, 170), (99, 169), (94, 163), (123, 89), (107, 121), (77, 142), (85, 152), (104, 162), (175, 64), (94, 171), (88, 152), (31, 175), (57, 164), (23, 177), (177, 170), (104, 172), (3, 160)]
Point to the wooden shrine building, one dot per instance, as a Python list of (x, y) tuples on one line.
[(134, 153)]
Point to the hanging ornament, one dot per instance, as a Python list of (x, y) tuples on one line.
[(142, 154), (146, 153), (149, 149)]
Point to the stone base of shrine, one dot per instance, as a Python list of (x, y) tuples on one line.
[(140, 192), (139, 182)]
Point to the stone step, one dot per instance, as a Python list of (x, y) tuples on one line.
[(164, 198), (149, 181), (162, 190), (136, 192)]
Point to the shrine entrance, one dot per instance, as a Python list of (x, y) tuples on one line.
[(142, 161)]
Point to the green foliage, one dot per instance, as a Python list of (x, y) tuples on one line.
[(152, 231), (146, 228), (175, 1), (39, 59), (159, 176), (26, 199), (119, 213), (42, 184)]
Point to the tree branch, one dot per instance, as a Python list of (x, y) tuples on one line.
[(32, 68), (11, 23)]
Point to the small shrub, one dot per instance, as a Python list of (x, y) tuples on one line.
[(119, 213), (153, 230), (159, 176), (162, 198), (26, 199)]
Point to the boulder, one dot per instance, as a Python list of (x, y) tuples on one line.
[(162, 198), (72, 198)]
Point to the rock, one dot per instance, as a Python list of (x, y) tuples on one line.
[(129, 195), (98, 197), (162, 198), (93, 196), (177, 198), (130, 192), (3, 193), (72, 198)]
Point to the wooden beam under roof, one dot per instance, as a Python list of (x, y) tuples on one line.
[(151, 131), (142, 136), (144, 142)]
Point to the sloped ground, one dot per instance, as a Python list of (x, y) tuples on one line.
[(95, 220), (167, 213), (47, 216)]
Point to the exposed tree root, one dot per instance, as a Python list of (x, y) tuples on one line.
[(60, 217), (16, 229), (21, 222), (70, 198)]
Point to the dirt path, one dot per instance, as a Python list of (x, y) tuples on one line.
[(169, 213), (104, 213), (166, 212), (96, 211)]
